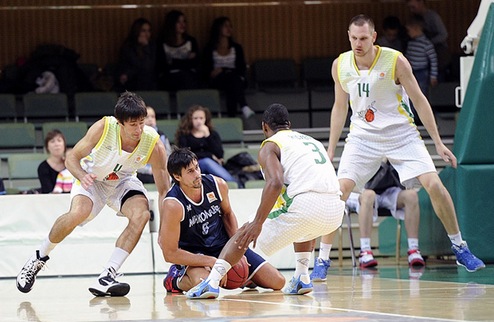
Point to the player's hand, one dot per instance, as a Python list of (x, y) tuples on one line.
[(247, 234), (330, 154), (446, 154), (224, 280), (88, 180)]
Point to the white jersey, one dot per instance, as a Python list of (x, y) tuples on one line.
[(306, 165), (380, 107), (109, 162)]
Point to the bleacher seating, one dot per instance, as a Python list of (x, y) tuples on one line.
[(159, 100), (72, 131), (8, 112), (45, 106), (91, 106), (209, 98)]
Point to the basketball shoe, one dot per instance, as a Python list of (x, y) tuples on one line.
[(320, 270), (108, 285), (27, 275), (203, 290), (366, 259), (466, 259), (297, 287), (415, 258), (173, 274)]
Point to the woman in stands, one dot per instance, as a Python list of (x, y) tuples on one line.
[(52, 174), (196, 133), (225, 66), (136, 70), (178, 54)]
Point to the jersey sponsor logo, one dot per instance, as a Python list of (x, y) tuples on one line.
[(139, 159), (111, 176), (368, 115), (204, 215), (211, 197)]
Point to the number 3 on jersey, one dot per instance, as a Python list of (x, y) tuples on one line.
[(321, 159)]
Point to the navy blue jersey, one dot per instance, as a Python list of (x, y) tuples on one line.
[(202, 229)]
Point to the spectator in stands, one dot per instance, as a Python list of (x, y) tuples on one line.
[(382, 127), (436, 31), (136, 69), (225, 66), (146, 174), (393, 35), (384, 190), (52, 174), (178, 54), (421, 55), (197, 133), (2, 188)]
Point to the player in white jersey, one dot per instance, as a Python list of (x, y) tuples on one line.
[(300, 202), (104, 164), (377, 82)]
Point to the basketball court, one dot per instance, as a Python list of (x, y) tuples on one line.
[(440, 292)]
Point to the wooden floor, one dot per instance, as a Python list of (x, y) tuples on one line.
[(441, 292)]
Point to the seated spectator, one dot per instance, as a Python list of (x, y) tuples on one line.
[(384, 190), (146, 174), (196, 133), (225, 66), (2, 188), (51, 172), (178, 54), (393, 35), (136, 68)]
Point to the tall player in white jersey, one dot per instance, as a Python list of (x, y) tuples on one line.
[(300, 202), (104, 163), (377, 82)]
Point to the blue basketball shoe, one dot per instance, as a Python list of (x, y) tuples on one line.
[(466, 259), (203, 290), (320, 270), (297, 287)]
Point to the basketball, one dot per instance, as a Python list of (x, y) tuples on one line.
[(238, 274)]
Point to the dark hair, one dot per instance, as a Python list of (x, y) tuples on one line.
[(51, 135), (391, 22), (361, 20), (130, 107), (135, 30), (276, 117), (215, 32), (179, 159), (169, 28), (186, 124), (416, 21)]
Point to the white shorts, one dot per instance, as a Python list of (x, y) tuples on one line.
[(309, 216), (388, 199), (361, 159), (107, 193)]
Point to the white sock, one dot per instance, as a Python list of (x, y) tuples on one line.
[(302, 260), (324, 250), (365, 244), (456, 239), (413, 243), (220, 268), (116, 260), (46, 247)]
